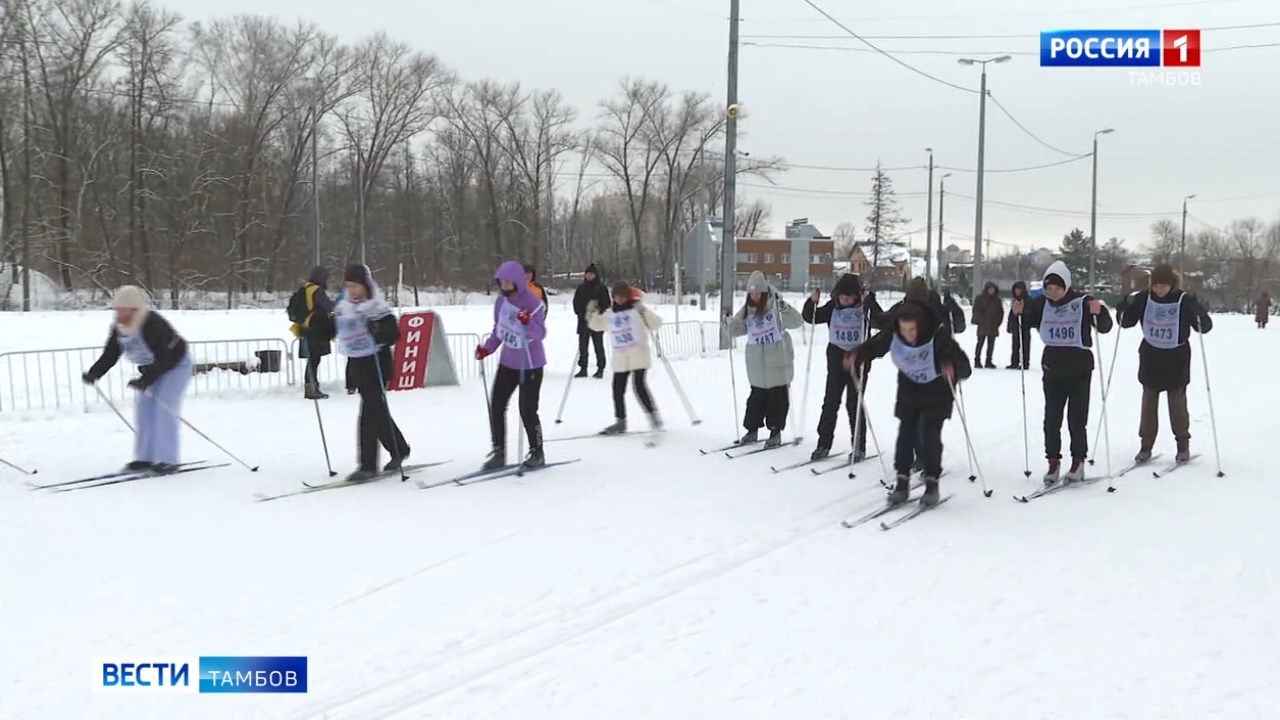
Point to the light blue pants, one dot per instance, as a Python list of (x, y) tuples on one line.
[(157, 439)]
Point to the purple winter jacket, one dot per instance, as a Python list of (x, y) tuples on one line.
[(535, 331)]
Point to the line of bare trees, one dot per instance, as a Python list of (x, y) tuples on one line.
[(136, 148)]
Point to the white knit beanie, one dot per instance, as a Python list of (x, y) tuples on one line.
[(130, 296)]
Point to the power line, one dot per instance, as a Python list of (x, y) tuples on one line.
[(832, 168), (841, 48), (871, 45), (987, 36), (1030, 134), (812, 191), (970, 16), (1035, 209)]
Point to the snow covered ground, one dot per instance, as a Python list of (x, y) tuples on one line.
[(645, 583)]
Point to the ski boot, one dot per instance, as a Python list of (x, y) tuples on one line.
[(361, 476), (775, 439), (535, 458), (138, 466), (752, 436), (1076, 473), (1184, 453), (599, 373), (931, 496), (822, 451), (1051, 477), (396, 462), (163, 469), (1143, 456), (990, 365), (901, 490), (581, 373), (497, 459), (655, 421), (1012, 366), (617, 428)]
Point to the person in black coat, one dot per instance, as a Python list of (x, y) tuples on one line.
[(1020, 332), (944, 306), (316, 330), (850, 312), (591, 290), (1066, 319), (929, 362), (1168, 315), (148, 340)]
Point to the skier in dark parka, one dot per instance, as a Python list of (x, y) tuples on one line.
[(1020, 357)]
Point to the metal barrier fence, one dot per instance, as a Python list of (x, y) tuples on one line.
[(50, 379)]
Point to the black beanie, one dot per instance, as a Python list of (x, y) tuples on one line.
[(592, 269), (359, 274), (1164, 275)]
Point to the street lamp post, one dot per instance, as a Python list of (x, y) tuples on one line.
[(1182, 250), (1093, 213), (982, 133), (942, 198), (928, 230)]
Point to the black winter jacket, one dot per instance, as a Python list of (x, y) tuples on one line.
[(361, 371), (582, 297), (1019, 292), (933, 399), (167, 346), (1165, 369), (1068, 362)]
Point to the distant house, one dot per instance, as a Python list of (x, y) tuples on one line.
[(893, 267), (803, 260)]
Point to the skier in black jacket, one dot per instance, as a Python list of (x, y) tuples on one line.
[(850, 312), (1021, 355), (929, 362), (944, 306), (1168, 315), (591, 290), (148, 340), (1066, 318)]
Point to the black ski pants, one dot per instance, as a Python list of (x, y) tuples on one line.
[(1021, 347), (991, 349), (376, 425), (919, 436), (1069, 394), (505, 383), (840, 385), (768, 407), (620, 392), (597, 340)]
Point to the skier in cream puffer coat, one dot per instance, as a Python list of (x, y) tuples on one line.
[(771, 358), (629, 324)]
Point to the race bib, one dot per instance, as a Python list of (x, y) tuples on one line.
[(1161, 323), (917, 363), (1062, 326), (510, 330), (354, 340), (136, 349), (622, 329), (763, 329), (847, 327)]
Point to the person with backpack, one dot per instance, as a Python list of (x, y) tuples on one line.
[(367, 328), (311, 312), (147, 340), (591, 291), (629, 323)]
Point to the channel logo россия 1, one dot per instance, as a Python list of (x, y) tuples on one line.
[(1120, 48)]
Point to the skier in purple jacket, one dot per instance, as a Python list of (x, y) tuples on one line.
[(519, 326)]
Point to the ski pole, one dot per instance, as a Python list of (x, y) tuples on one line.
[(197, 430), (1026, 438), (862, 408), (6, 463), (960, 404), (1106, 387), (808, 373), (1213, 420), (1106, 430), (564, 399), (964, 423), (324, 442), (733, 376), (391, 424), (113, 407), (688, 407)]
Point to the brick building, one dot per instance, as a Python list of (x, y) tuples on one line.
[(803, 260)]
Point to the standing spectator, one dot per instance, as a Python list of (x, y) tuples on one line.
[(591, 290), (311, 311), (531, 277), (1262, 310), (988, 313), (1021, 340)]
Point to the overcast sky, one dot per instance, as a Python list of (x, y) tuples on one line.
[(840, 108)]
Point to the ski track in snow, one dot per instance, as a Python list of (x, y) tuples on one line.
[(650, 584)]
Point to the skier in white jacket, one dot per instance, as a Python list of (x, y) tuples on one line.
[(629, 323)]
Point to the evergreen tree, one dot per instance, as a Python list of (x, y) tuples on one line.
[(884, 218), (1074, 251)]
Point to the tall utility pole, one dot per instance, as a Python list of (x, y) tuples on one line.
[(982, 139), (1093, 215), (928, 228), (315, 170), (942, 198), (1182, 251), (728, 244)]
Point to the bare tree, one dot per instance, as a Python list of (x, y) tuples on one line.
[(1165, 241), (845, 236), (534, 141)]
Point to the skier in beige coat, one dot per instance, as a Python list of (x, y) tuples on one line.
[(629, 323), (771, 358)]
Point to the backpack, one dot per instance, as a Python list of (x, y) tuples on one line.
[(299, 306)]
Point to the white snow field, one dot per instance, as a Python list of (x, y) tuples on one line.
[(646, 583)]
